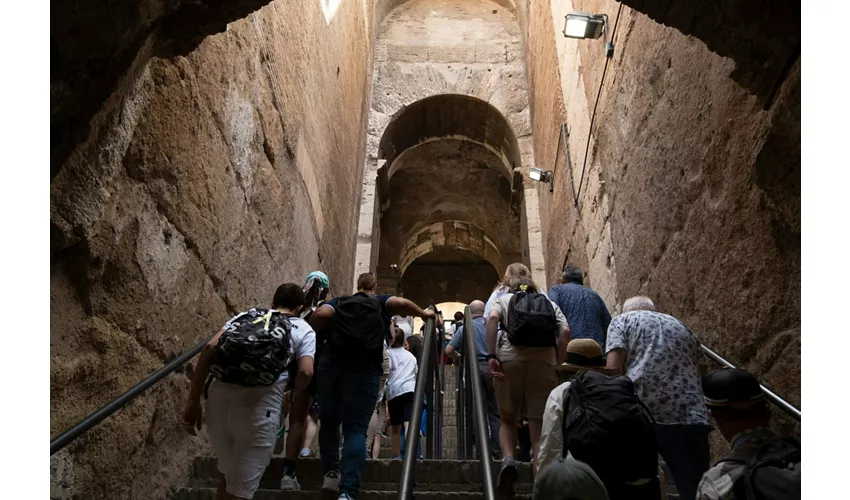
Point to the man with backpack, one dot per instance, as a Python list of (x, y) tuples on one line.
[(349, 374), (762, 465), (660, 354), (598, 419), (522, 361), (242, 370)]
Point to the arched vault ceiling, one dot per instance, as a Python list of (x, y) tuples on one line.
[(444, 181), (449, 115)]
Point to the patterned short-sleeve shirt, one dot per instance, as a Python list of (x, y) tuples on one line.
[(661, 360)]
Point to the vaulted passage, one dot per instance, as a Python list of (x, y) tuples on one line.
[(447, 170)]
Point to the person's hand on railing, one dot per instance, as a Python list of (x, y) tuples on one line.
[(192, 418), (429, 313), (495, 368)]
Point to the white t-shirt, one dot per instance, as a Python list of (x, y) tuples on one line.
[(403, 370), (302, 342)]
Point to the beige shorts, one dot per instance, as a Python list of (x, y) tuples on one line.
[(524, 389), (242, 432)]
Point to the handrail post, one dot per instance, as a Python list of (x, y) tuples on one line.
[(459, 423), (405, 491), (429, 397), (469, 412), (480, 417)]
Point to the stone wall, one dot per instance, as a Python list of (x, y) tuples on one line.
[(207, 180), (691, 191)]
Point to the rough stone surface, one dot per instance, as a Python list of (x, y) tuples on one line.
[(219, 175), (762, 36), (691, 191)]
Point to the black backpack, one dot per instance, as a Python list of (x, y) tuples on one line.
[(773, 473), (531, 320), (358, 328), (254, 349), (607, 426)]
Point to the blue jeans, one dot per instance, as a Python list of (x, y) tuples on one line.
[(346, 397)]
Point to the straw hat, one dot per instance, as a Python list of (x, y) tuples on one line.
[(584, 354)]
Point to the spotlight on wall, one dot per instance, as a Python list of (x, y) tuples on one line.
[(540, 175), (394, 268), (584, 25)]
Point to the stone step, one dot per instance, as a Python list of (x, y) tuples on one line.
[(262, 494), (444, 475)]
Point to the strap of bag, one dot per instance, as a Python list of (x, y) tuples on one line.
[(207, 387)]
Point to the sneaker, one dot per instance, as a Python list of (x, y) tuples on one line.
[(507, 478), (344, 496), (289, 483), (331, 482)]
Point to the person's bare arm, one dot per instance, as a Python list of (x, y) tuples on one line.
[(563, 340), (305, 375), (321, 317), (403, 307), (616, 360), (491, 327), (452, 352), (193, 414)]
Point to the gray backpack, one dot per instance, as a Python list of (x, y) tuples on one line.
[(772, 474)]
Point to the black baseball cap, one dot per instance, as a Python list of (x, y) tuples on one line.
[(732, 389)]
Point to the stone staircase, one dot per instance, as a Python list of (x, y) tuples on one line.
[(435, 480)]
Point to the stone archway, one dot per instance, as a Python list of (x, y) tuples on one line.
[(448, 184)]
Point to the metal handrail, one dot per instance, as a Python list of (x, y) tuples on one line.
[(424, 379), (116, 404), (771, 396), (460, 418), (480, 418)]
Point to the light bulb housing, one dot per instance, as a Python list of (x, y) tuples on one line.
[(584, 25), (539, 175)]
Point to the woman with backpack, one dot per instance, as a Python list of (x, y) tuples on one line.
[(522, 361)]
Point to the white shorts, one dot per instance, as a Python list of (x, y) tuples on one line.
[(242, 425)]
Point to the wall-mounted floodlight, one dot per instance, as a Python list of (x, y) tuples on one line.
[(541, 175), (584, 25)]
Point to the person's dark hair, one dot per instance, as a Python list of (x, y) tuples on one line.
[(398, 337), (458, 316), (515, 284), (288, 296), (366, 281), (573, 274), (414, 342)]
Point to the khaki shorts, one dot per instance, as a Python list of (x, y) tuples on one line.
[(524, 389)]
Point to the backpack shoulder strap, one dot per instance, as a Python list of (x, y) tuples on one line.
[(565, 414)]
